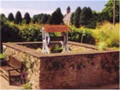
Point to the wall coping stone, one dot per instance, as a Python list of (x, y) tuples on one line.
[(19, 47)]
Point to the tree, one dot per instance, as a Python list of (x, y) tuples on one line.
[(2, 19), (18, 18), (93, 20), (35, 19), (57, 17), (77, 17), (41, 18), (27, 18), (72, 18), (44, 19), (107, 12), (89, 16), (2, 15), (10, 17), (49, 20), (86, 15)]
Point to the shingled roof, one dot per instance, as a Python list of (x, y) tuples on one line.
[(56, 28)]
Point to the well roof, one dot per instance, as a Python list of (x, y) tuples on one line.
[(56, 28)]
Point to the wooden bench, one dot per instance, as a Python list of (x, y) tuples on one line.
[(12, 69)]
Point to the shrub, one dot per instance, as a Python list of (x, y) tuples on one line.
[(1, 56), (27, 86), (30, 34), (56, 49), (108, 34), (9, 32), (83, 35), (101, 45), (12, 32)]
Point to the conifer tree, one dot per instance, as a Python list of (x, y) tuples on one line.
[(10, 17), (57, 17), (27, 18), (77, 17), (18, 18)]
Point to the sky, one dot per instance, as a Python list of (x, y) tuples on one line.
[(47, 6)]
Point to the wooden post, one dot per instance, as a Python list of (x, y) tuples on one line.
[(114, 12)]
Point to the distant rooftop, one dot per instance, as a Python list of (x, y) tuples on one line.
[(56, 28)]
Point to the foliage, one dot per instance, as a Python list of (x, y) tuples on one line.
[(2, 15), (1, 56), (30, 32), (90, 19), (101, 46), (107, 34), (41, 18), (27, 18), (76, 17), (83, 17), (57, 17), (86, 15), (72, 18), (18, 18), (2, 19), (49, 20), (9, 32), (27, 86), (107, 13), (56, 49), (103, 36), (81, 34), (44, 19), (10, 17)]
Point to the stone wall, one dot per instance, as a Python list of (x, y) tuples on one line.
[(32, 63), (81, 70)]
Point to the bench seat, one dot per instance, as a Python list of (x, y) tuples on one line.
[(11, 69)]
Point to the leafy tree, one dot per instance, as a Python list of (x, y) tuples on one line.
[(44, 18), (18, 18), (10, 17), (35, 19), (107, 13), (41, 18), (27, 18), (49, 20), (77, 17)]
